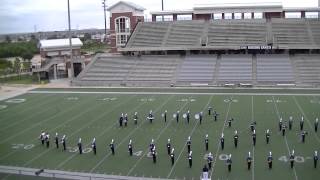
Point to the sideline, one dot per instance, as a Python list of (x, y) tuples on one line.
[(169, 93), (66, 174)]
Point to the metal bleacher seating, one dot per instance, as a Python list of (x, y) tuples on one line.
[(274, 69), (235, 33), (308, 69), (235, 69), (196, 70)]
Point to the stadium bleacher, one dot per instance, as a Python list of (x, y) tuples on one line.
[(225, 34), (196, 69), (274, 69), (235, 69), (308, 68), (251, 34)]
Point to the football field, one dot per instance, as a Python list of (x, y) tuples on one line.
[(89, 113)]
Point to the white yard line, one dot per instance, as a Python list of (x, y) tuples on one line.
[(45, 120), (40, 106), (32, 101), (252, 119), (125, 139), (218, 147), (103, 132), (159, 135), (174, 165), (304, 115), (285, 137), (69, 120), (168, 93)]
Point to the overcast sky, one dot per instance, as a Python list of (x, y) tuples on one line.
[(45, 15)]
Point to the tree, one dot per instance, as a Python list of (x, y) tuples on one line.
[(16, 65), (27, 55), (8, 39)]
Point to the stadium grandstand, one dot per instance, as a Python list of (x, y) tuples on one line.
[(220, 45)]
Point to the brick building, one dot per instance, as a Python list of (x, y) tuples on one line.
[(123, 18)]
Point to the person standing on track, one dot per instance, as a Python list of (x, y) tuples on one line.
[(290, 122), (56, 140), (280, 124), (315, 159), (254, 137), (63, 141), (269, 160), (172, 156), (235, 138), (291, 159), (210, 159), (47, 139), (190, 159), (222, 141), (80, 146), (229, 163), (168, 146), (316, 124), (215, 115), (189, 144), (94, 146), (130, 147), (301, 123), (121, 120), (249, 160), (206, 141), (112, 146), (209, 110), (267, 136), (135, 118), (42, 137)]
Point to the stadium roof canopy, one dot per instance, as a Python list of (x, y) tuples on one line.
[(59, 43)]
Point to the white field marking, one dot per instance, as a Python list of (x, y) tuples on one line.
[(159, 135), (125, 139), (218, 147), (30, 117), (174, 165), (304, 115), (285, 137), (36, 124), (16, 101), (33, 107), (3, 107), (252, 117), (169, 93), (102, 133), (65, 123), (78, 130)]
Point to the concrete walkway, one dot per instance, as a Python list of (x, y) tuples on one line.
[(66, 174)]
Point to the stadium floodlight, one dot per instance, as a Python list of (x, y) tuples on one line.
[(105, 18), (70, 43)]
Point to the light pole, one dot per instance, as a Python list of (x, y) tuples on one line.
[(70, 44), (105, 19), (162, 9)]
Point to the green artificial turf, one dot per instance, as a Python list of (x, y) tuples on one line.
[(96, 115)]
